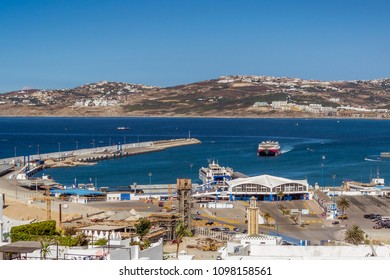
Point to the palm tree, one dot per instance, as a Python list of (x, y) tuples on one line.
[(354, 235), (280, 195), (266, 216), (181, 232), (343, 204), (45, 249)]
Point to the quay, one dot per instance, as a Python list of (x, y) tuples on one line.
[(92, 155)]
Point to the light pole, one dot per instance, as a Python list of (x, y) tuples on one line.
[(334, 197), (77, 144), (59, 147), (150, 181), (322, 176), (277, 216), (93, 143), (38, 152), (15, 156)]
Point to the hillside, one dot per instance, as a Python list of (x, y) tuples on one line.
[(236, 96)]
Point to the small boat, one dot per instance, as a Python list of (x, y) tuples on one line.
[(122, 128), (385, 154), (269, 148)]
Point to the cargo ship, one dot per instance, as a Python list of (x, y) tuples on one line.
[(269, 148)]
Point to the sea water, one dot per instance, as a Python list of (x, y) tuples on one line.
[(324, 151)]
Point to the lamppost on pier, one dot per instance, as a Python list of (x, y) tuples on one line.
[(77, 144), (93, 143), (59, 147), (150, 181)]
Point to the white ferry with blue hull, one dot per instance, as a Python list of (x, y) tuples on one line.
[(215, 174)]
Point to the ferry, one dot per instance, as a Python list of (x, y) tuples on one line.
[(385, 154), (215, 174), (268, 148)]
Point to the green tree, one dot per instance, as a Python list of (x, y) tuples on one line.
[(142, 227), (45, 248), (101, 242), (181, 232), (266, 216), (280, 195), (354, 235), (82, 239), (343, 203)]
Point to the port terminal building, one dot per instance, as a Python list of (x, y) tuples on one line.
[(263, 188), (267, 188)]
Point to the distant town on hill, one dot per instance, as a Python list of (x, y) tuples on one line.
[(226, 96)]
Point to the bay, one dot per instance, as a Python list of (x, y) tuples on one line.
[(313, 149)]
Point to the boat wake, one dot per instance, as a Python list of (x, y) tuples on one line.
[(287, 149), (375, 160)]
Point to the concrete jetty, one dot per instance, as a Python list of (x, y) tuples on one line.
[(92, 155)]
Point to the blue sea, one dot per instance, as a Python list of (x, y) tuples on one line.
[(313, 149)]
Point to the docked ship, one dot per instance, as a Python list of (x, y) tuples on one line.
[(215, 174), (385, 154), (269, 148)]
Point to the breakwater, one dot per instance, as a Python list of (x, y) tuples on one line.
[(87, 156)]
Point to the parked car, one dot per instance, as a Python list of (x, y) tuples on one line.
[(342, 217), (335, 222), (215, 229), (209, 223), (197, 218)]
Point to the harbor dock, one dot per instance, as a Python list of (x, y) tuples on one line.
[(92, 155)]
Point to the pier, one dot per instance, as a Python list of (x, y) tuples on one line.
[(90, 156)]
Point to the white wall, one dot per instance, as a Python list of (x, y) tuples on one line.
[(308, 252)]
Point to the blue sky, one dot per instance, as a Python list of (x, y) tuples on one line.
[(63, 44)]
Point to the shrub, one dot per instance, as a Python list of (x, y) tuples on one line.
[(33, 231)]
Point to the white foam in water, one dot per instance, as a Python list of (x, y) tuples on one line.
[(287, 149)]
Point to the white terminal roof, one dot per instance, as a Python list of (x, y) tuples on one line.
[(265, 180)]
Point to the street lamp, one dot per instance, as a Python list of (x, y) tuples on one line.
[(59, 147), (334, 198), (77, 144), (322, 172), (93, 143), (150, 181), (15, 156)]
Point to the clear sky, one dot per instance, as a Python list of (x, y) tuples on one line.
[(63, 44)]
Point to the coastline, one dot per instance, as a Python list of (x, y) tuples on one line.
[(192, 117)]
